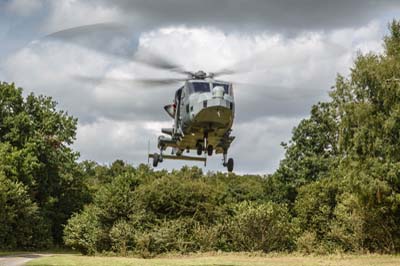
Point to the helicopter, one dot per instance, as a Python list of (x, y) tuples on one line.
[(203, 111)]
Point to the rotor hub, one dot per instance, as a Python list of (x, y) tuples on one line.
[(200, 75)]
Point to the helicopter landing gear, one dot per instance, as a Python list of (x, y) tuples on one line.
[(228, 164), (210, 150), (199, 148), (156, 159)]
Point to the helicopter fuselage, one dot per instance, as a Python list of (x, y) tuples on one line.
[(203, 113)]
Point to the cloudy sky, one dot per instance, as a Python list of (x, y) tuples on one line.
[(289, 52)]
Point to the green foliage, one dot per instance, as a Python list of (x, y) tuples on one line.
[(83, 231), (122, 237), (265, 227), (173, 197), (350, 200), (148, 213), (310, 154), (314, 208), (21, 224), (34, 153), (167, 236)]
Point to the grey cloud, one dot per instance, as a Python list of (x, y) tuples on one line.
[(239, 15)]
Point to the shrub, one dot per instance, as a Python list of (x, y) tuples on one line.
[(211, 237), (169, 235), (174, 197), (266, 226), (122, 237), (83, 231), (307, 242)]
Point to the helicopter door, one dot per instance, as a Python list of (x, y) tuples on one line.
[(178, 107)]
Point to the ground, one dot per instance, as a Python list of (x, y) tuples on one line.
[(221, 260)]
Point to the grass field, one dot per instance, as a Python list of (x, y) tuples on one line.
[(221, 260)]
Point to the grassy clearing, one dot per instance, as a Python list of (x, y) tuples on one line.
[(221, 260)]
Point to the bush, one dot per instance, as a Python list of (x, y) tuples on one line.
[(265, 227), (349, 224), (122, 237), (174, 197), (314, 207), (307, 242), (169, 235), (83, 231), (211, 237)]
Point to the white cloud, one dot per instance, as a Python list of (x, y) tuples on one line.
[(257, 148), (105, 139), (363, 39)]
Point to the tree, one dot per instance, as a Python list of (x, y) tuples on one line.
[(368, 103), (310, 154), (20, 220), (34, 144)]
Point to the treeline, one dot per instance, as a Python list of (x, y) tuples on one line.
[(336, 190)]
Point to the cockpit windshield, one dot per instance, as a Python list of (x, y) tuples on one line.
[(201, 87), (225, 86)]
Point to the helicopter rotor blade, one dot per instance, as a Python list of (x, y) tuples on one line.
[(87, 29), (127, 81), (157, 61), (109, 38), (91, 36)]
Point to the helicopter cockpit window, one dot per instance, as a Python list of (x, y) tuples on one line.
[(225, 86), (201, 87)]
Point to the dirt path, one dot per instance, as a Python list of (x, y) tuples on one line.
[(18, 260)]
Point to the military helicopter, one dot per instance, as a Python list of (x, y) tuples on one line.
[(203, 110)]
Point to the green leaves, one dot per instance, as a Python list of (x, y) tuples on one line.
[(83, 231), (147, 212), (341, 167), (266, 227), (34, 139), (21, 224)]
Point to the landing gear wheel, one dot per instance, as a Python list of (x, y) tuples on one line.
[(209, 150), (199, 149), (156, 159), (229, 165)]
